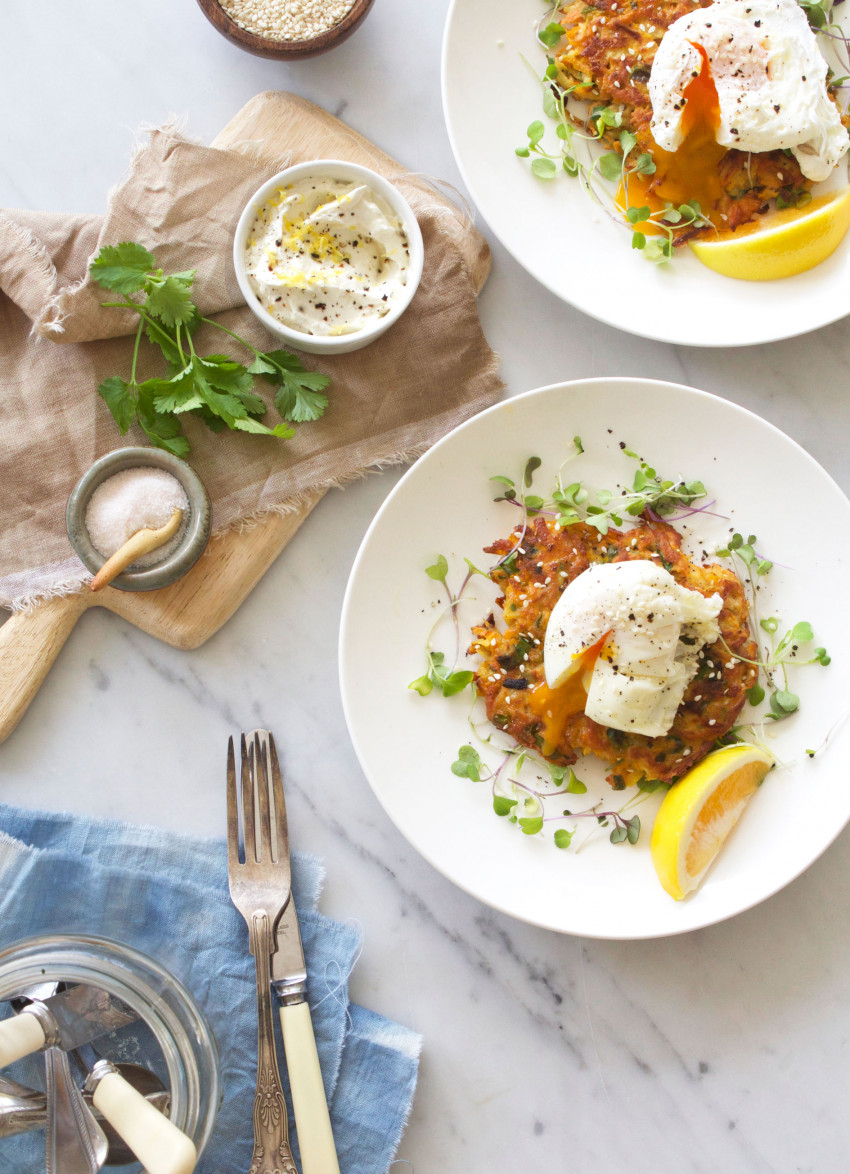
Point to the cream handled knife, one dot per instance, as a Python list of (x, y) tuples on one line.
[(75, 1017), (289, 982)]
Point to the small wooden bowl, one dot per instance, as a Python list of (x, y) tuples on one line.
[(284, 50)]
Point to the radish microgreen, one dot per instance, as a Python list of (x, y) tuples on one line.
[(782, 702)]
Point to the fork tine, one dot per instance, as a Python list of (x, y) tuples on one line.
[(279, 801), (248, 821), (261, 767), (232, 811)]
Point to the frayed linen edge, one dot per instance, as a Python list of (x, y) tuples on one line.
[(307, 497), (414, 1052), (290, 505), (51, 320)]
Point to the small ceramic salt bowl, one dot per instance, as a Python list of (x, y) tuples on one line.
[(338, 169), (195, 531), (266, 44)]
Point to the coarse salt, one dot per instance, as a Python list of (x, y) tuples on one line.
[(133, 500)]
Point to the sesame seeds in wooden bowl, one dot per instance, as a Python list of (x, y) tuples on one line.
[(286, 29)]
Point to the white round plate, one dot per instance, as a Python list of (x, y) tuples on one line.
[(555, 230), (763, 483)]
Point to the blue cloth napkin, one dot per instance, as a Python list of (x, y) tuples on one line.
[(168, 896)]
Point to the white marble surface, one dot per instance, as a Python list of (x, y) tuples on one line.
[(724, 1050)]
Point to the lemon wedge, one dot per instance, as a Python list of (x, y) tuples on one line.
[(699, 812), (781, 243)]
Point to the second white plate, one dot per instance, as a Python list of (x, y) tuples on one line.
[(763, 482), (555, 230)]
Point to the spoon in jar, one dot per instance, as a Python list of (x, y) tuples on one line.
[(142, 542)]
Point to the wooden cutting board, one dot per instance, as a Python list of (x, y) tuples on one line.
[(191, 610)]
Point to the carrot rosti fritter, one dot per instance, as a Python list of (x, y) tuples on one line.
[(606, 58), (511, 678)]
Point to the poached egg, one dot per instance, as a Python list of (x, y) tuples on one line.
[(628, 637), (755, 68)]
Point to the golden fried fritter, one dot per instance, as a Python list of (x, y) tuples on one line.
[(609, 49), (512, 682)]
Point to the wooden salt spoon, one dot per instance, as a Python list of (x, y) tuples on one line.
[(142, 542)]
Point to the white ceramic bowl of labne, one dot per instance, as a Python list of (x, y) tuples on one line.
[(336, 344)]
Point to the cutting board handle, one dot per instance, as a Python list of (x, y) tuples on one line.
[(29, 643)]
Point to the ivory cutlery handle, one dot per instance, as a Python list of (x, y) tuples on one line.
[(312, 1120), (20, 1036), (30, 641), (159, 1145)]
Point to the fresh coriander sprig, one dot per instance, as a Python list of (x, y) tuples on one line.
[(216, 388)]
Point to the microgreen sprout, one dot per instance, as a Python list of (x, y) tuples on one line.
[(655, 231), (447, 677), (776, 654)]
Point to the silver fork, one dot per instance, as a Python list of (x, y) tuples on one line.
[(260, 889)]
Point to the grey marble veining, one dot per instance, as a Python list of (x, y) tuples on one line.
[(724, 1050)]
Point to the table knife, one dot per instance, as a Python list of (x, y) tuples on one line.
[(70, 1021), (289, 982), (81, 1014)]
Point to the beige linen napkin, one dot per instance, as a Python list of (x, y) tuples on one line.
[(388, 402)]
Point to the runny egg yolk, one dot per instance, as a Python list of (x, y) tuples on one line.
[(690, 173), (554, 706)]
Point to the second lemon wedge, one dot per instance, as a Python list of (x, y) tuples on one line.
[(780, 244), (699, 812)]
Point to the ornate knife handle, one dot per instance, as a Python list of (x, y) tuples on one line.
[(272, 1153)]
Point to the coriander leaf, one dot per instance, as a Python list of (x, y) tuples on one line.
[(177, 394), (119, 398), (563, 838), (162, 430), (169, 299), (261, 366), (248, 424), (122, 267)]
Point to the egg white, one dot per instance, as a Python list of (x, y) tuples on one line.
[(644, 666), (770, 77)]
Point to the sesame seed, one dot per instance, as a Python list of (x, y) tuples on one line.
[(287, 20)]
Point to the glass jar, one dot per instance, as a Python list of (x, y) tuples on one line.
[(187, 1050)]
